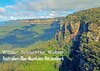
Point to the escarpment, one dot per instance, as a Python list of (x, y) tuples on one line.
[(82, 31)]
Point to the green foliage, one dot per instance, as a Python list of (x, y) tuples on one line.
[(91, 51), (30, 66), (92, 15), (90, 41)]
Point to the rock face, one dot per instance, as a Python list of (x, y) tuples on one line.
[(75, 49), (75, 31), (72, 32), (83, 30), (39, 21), (67, 32)]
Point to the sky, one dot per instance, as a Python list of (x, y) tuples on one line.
[(30, 9)]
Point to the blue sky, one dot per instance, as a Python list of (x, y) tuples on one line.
[(6, 2), (29, 9)]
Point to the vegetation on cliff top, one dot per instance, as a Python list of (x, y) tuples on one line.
[(92, 15)]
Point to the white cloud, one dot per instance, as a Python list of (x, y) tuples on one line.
[(45, 8), (56, 4), (9, 6), (2, 10), (53, 14)]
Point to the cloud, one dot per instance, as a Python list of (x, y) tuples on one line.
[(2, 10), (9, 6), (53, 14), (23, 9), (35, 5)]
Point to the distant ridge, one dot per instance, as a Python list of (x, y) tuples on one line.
[(36, 21)]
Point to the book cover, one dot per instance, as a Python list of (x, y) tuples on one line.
[(49, 35)]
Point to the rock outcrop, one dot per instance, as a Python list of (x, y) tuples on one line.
[(83, 30), (39, 21)]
